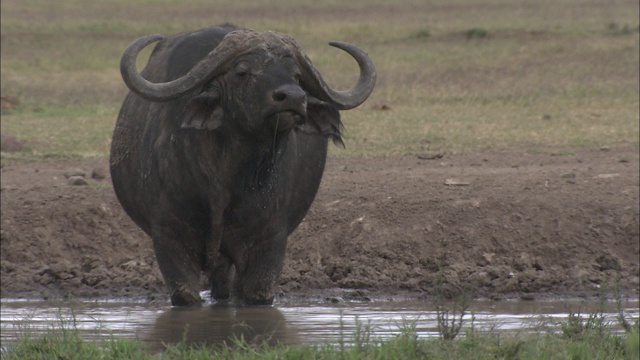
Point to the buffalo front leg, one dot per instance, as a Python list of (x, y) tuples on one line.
[(218, 264), (258, 273), (179, 258), (220, 278)]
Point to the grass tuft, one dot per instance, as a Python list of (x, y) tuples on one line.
[(616, 29), (475, 33), (421, 34)]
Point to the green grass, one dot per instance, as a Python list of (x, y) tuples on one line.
[(453, 76), (61, 131)]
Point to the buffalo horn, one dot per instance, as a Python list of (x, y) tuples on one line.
[(347, 99), (205, 70)]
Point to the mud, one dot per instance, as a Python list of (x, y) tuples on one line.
[(497, 225)]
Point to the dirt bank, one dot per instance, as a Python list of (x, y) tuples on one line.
[(495, 224)]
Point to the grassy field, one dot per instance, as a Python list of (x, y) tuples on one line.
[(454, 76)]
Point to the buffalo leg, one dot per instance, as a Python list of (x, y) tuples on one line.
[(178, 259), (254, 283), (220, 278)]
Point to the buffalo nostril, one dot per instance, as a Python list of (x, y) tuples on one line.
[(288, 94), (279, 95)]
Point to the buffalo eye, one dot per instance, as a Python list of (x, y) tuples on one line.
[(296, 74), (242, 69)]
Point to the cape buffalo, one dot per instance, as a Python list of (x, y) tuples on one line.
[(218, 152)]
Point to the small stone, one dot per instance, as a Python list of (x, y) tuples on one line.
[(77, 181), (488, 257), (570, 175), (129, 265), (456, 182), (74, 173), (431, 156), (607, 176), (99, 173)]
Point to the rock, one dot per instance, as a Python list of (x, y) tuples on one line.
[(99, 173), (74, 173), (77, 181), (456, 182), (606, 176), (431, 156), (130, 265)]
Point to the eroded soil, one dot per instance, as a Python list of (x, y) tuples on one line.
[(497, 225)]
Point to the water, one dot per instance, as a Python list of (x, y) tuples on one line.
[(308, 323)]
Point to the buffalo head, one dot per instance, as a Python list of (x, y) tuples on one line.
[(266, 73)]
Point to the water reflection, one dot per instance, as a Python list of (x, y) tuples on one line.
[(312, 323), (217, 324)]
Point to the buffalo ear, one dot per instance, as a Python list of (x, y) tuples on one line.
[(322, 119), (203, 113)]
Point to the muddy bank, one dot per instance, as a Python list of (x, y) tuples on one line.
[(494, 224)]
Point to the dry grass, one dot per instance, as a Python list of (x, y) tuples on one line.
[(454, 76)]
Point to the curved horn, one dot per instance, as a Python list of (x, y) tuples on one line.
[(347, 99), (203, 71)]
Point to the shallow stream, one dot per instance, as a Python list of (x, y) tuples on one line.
[(156, 324)]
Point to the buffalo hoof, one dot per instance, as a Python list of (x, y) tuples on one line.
[(185, 297)]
